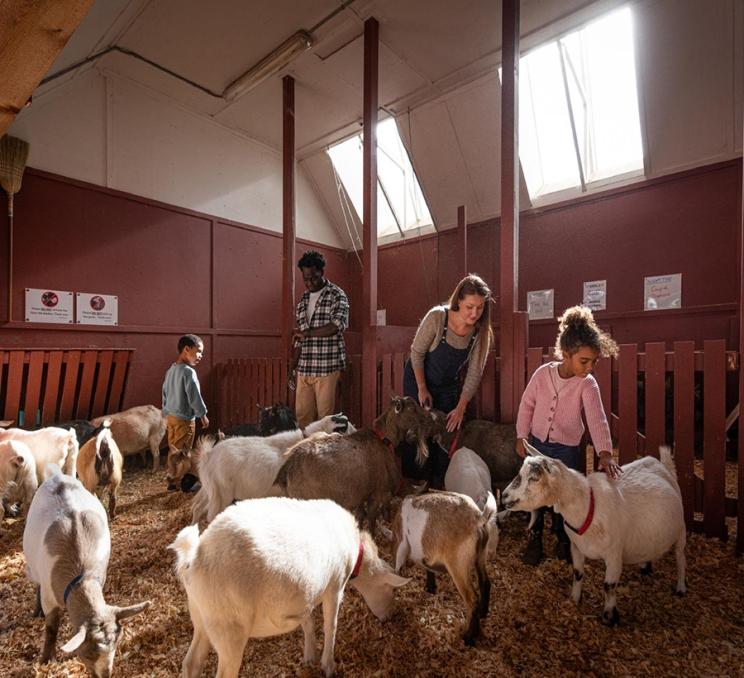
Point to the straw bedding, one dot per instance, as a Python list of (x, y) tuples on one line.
[(532, 628)]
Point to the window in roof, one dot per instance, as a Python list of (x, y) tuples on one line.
[(400, 203), (578, 108)]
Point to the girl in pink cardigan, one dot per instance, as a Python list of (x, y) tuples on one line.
[(551, 408)]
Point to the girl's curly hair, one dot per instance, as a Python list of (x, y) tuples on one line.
[(576, 329)]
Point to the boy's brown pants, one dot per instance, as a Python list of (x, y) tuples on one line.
[(181, 433)]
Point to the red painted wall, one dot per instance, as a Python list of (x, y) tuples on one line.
[(174, 271), (687, 223)]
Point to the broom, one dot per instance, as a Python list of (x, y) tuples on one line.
[(13, 156)]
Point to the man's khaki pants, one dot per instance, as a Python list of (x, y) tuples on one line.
[(315, 397)]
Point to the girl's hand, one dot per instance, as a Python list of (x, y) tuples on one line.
[(519, 447), (608, 465), (454, 418), (424, 397)]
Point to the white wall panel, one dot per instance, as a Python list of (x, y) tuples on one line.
[(66, 129), (685, 62)]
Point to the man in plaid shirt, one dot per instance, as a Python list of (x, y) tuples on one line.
[(322, 315)]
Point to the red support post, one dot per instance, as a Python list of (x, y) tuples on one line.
[(740, 518), (369, 239), (462, 238), (509, 236), (288, 216)]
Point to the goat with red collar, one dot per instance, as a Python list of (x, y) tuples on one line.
[(635, 519), (262, 567)]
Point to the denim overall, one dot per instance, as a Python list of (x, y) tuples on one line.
[(442, 368)]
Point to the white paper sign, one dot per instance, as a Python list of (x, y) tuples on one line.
[(381, 317), (595, 295), (48, 306), (540, 304), (97, 309), (662, 291)]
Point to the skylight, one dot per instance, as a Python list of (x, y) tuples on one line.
[(400, 203), (578, 108)]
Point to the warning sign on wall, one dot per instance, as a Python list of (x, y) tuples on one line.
[(97, 309), (48, 306)]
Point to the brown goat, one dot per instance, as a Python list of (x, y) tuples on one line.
[(358, 471), (99, 465)]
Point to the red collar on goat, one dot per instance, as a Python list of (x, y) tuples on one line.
[(384, 439), (589, 516), (358, 564), (453, 444)]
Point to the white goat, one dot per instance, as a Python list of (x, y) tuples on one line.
[(240, 468), (136, 430), (18, 480), (67, 546), (262, 567), (446, 530), (49, 445), (332, 423), (468, 474), (633, 520)]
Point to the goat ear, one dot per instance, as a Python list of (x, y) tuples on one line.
[(258, 405), (220, 434), (545, 465), (396, 580), (532, 451), (106, 423), (398, 405), (17, 461), (131, 610), (76, 641)]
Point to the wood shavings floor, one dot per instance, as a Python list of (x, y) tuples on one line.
[(532, 628)]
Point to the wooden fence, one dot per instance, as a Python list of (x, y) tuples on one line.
[(42, 386), (651, 397)]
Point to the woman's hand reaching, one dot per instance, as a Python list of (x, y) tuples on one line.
[(424, 397), (454, 418)]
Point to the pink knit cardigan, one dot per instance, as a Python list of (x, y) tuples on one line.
[(551, 409)]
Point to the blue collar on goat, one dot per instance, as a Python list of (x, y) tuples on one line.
[(76, 582)]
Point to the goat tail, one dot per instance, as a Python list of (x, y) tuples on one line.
[(71, 453), (489, 507), (665, 454), (185, 546)]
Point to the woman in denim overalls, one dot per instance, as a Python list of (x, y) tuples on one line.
[(453, 341)]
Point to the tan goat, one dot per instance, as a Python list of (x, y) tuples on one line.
[(99, 464)]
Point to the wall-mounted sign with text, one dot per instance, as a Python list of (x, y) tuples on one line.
[(662, 291), (48, 306), (540, 304), (97, 309), (595, 295)]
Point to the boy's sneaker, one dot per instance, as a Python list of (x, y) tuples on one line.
[(562, 550), (533, 554)]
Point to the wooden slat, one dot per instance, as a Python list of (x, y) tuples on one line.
[(603, 375), (714, 440), (399, 360), (14, 386), (51, 389), (267, 386), (386, 389), (534, 360), (246, 400), (356, 404), (101, 387), (521, 337), (655, 398), (32, 403), (72, 364), (628, 402), (118, 381), (684, 424), (86, 385)]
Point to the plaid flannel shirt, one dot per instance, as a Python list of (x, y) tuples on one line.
[(319, 356)]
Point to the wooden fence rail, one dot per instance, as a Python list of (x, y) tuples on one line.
[(651, 397), (41, 386)]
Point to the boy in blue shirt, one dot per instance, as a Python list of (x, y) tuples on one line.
[(182, 400)]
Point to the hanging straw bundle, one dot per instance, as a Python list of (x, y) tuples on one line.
[(13, 156)]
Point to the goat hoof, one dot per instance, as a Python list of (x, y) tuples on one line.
[(680, 593), (611, 618), (646, 569), (469, 640)]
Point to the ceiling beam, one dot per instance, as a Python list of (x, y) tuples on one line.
[(32, 34)]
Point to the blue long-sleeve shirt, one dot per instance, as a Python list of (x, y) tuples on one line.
[(181, 394)]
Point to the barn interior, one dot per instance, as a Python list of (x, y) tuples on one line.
[(181, 157)]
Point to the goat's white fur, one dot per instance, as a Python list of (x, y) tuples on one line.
[(260, 569), (637, 518), (18, 480), (49, 446), (468, 474)]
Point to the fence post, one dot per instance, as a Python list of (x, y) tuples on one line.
[(628, 402), (714, 438)]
